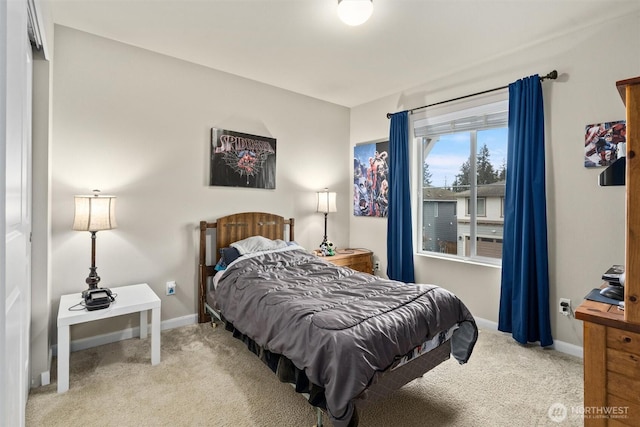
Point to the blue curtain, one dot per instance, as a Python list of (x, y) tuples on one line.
[(399, 234), (524, 298)]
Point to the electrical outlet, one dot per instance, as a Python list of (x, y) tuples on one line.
[(564, 306), (171, 288), (376, 266)]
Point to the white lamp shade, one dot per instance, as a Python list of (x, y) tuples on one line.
[(326, 202), (355, 12), (94, 213)]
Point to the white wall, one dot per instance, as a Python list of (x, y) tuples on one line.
[(586, 222), (136, 124)]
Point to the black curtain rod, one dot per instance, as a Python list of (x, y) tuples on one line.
[(552, 76)]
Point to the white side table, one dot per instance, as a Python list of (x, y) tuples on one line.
[(129, 299)]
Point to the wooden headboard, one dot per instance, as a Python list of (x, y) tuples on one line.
[(232, 228)]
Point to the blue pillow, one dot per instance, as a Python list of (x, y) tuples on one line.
[(227, 256)]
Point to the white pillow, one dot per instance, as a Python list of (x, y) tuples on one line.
[(257, 244)]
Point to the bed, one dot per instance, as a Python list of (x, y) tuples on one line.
[(342, 338)]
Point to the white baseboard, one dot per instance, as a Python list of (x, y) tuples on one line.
[(177, 322), (97, 340), (561, 346), (45, 377), (191, 319), (571, 349), (486, 324)]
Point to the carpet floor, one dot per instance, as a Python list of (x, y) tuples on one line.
[(208, 378)]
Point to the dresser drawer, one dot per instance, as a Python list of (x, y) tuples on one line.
[(363, 266), (624, 387), (622, 411), (623, 340), (357, 259), (623, 362)]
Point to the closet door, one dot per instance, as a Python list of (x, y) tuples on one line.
[(15, 260)]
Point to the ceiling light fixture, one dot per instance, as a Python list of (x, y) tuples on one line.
[(355, 12)]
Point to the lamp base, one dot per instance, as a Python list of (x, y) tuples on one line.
[(93, 279)]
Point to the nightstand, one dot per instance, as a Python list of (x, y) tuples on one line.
[(129, 299), (357, 259)]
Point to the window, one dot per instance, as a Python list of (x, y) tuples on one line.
[(463, 169), (480, 206)]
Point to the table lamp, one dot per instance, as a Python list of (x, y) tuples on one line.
[(94, 213), (326, 204)]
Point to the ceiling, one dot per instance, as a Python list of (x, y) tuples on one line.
[(302, 46)]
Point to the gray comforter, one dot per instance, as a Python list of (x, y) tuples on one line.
[(336, 324)]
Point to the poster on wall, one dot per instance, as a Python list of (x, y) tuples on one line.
[(370, 179), (242, 160), (602, 142)]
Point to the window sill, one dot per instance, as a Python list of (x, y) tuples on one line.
[(473, 261)]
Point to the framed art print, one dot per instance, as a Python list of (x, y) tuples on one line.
[(601, 143), (370, 179), (242, 160)]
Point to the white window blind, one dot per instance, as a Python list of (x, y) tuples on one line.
[(477, 118)]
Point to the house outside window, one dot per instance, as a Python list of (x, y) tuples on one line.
[(462, 165)]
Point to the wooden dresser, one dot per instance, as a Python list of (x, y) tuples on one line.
[(358, 259), (611, 366), (612, 336)]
